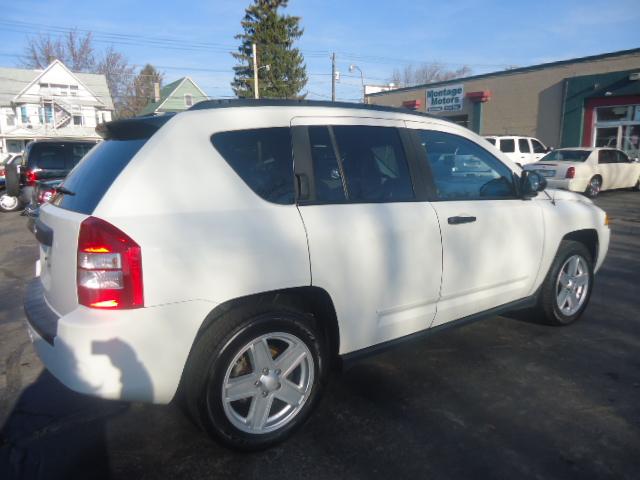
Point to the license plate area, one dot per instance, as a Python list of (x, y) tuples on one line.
[(547, 173)]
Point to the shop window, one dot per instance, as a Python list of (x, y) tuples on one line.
[(607, 137), (613, 114)]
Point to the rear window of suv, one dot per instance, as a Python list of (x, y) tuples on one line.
[(93, 176)]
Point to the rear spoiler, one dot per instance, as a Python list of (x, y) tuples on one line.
[(135, 128)]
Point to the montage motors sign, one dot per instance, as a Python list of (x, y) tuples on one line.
[(445, 99)]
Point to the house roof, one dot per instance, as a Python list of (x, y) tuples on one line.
[(511, 71), (165, 93), (15, 80)]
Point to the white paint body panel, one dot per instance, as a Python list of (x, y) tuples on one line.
[(206, 238)]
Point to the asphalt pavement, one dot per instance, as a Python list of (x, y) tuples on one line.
[(501, 398)]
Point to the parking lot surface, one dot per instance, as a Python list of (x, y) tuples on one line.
[(501, 398)]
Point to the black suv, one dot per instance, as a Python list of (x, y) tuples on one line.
[(44, 160)]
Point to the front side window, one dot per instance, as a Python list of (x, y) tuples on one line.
[(523, 145), (361, 164), (622, 157), (262, 158), (507, 145), (537, 146), (463, 170)]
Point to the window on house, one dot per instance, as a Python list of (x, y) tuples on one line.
[(11, 120), (77, 119), (188, 100), (24, 115), (73, 89)]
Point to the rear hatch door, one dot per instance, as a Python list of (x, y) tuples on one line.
[(57, 233), (58, 226)]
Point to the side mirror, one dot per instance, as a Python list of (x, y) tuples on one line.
[(549, 149), (531, 183)]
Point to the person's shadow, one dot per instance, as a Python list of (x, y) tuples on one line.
[(56, 433)]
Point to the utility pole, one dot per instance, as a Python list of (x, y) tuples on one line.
[(333, 77), (256, 95)]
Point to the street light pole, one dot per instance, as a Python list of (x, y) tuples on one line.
[(355, 67), (256, 95), (333, 77)]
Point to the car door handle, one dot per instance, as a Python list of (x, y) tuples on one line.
[(459, 220)]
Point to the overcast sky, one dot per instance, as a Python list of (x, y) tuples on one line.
[(195, 38)]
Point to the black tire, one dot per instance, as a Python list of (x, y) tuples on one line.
[(9, 203), (548, 309), (211, 359), (594, 187), (12, 180)]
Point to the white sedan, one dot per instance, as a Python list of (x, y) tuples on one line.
[(588, 170)]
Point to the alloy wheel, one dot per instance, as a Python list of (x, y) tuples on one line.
[(572, 285), (267, 383)]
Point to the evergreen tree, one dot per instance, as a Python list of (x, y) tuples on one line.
[(274, 35), (143, 89)]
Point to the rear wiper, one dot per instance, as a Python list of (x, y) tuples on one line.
[(64, 190)]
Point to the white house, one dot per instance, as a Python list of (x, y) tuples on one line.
[(50, 103)]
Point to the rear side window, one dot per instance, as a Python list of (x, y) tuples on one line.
[(369, 166), (492, 141), (607, 156), (507, 145), (262, 158), (523, 145), (93, 176)]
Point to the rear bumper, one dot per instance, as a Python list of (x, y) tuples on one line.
[(133, 355)]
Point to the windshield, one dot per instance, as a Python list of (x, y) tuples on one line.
[(566, 156)]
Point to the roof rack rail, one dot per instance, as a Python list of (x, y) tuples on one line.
[(272, 102)]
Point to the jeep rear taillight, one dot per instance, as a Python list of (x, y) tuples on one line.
[(571, 172), (31, 176), (109, 267)]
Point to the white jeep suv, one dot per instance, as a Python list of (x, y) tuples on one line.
[(301, 233), (521, 150)]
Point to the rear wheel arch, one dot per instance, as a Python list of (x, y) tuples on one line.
[(313, 301)]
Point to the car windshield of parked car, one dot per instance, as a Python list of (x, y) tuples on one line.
[(566, 156)]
